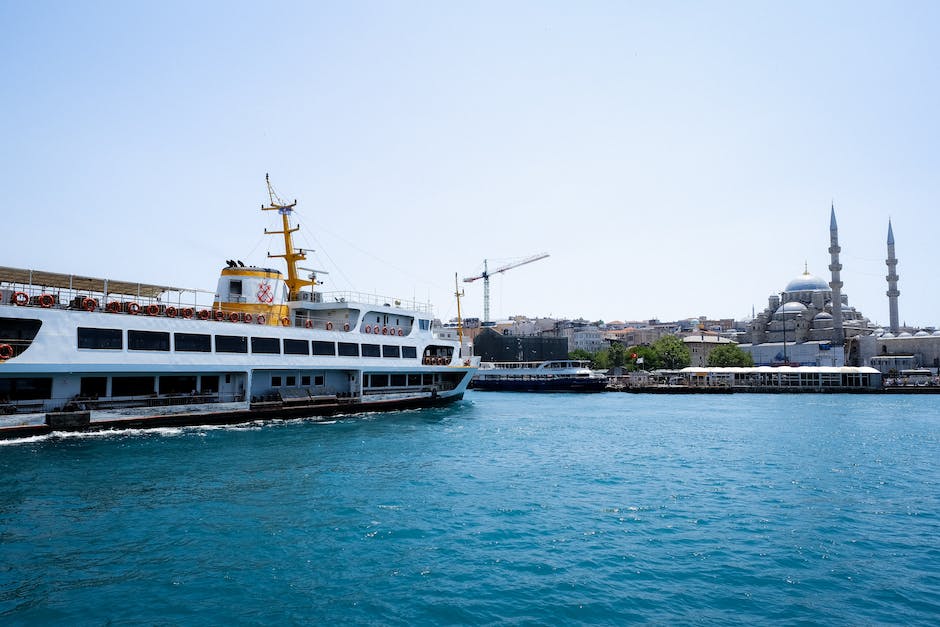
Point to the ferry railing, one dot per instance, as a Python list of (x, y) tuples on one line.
[(378, 300)]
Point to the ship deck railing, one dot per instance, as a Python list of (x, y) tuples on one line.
[(363, 298)]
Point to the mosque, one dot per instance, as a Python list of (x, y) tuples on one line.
[(811, 323)]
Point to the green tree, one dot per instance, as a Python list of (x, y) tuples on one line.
[(618, 355), (673, 352), (601, 360), (651, 359), (727, 355), (580, 353)]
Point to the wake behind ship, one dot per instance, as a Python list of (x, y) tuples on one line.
[(80, 353)]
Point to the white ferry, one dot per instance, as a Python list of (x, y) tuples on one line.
[(80, 353), (555, 375)]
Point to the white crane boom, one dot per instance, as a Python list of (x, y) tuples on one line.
[(486, 279)]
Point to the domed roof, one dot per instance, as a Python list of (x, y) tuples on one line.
[(822, 315), (792, 308), (921, 333), (904, 334), (806, 282), (937, 332)]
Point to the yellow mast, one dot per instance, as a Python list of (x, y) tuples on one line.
[(291, 256), (458, 293)]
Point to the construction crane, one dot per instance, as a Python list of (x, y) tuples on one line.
[(486, 280)]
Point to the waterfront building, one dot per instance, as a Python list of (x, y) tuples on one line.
[(701, 345)]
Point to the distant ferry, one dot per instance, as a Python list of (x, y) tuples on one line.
[(80, 353), (557, 375)]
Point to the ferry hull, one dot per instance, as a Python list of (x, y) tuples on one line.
[(572, 384), (84, 421)]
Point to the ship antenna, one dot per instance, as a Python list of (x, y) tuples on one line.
[(291, 255), (458, 293)]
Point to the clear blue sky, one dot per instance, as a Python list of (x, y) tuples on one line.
[(676, 159)]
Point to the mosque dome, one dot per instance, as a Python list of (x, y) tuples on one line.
[(790, 309), (887, 336), (822, 315), (937, 332), (904, 334), (806, 282), (921, 333)]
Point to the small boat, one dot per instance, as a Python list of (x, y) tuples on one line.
[(85, 354), (555, 375)]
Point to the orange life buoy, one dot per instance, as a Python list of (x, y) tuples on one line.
[(170, 311), (260, 319), (219, 315), (285, 322), (133, 308), (233, 317), (204, 314), (187, 312), (466, 362), (46, 301), (400, 332), (367, 329), (247, 319), (20, 298), (89, 304), (153, 310), (329, 326), (308, 324), (113, 307), (384, 330), (6, 351), (346, 327)]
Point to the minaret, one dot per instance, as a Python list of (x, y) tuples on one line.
[(892, 293), (838, 333)]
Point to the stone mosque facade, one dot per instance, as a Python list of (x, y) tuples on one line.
[(807, 323), (811, 323)]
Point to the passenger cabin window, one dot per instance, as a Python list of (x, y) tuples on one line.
[(424, 325), (148, 340), (390, 351), (231, 344), (235, 288), (133, 386), (371, 350), (275, 382), (192, 342), (296, 347), (347, 349), (325, 348), (266, 345), (409, 352), (106, 339)]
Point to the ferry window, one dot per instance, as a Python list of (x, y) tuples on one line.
[(148, 341), (26, 388), (177, 385), (132, 386), (424, 325), (267, 345), (318, 379), (305, 380), (209, 384), (390, 351), (231, 344), (93, 387), (371, 350), (379, 380), (275, 382), (428, 379), (409, 352), (235, 288), (192, 342), (398, 380), (326, 348), (291, 381), (348, 350), (296, 347), (109, 339), (414, 379)]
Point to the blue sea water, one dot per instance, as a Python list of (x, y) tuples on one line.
[(504, 508)]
